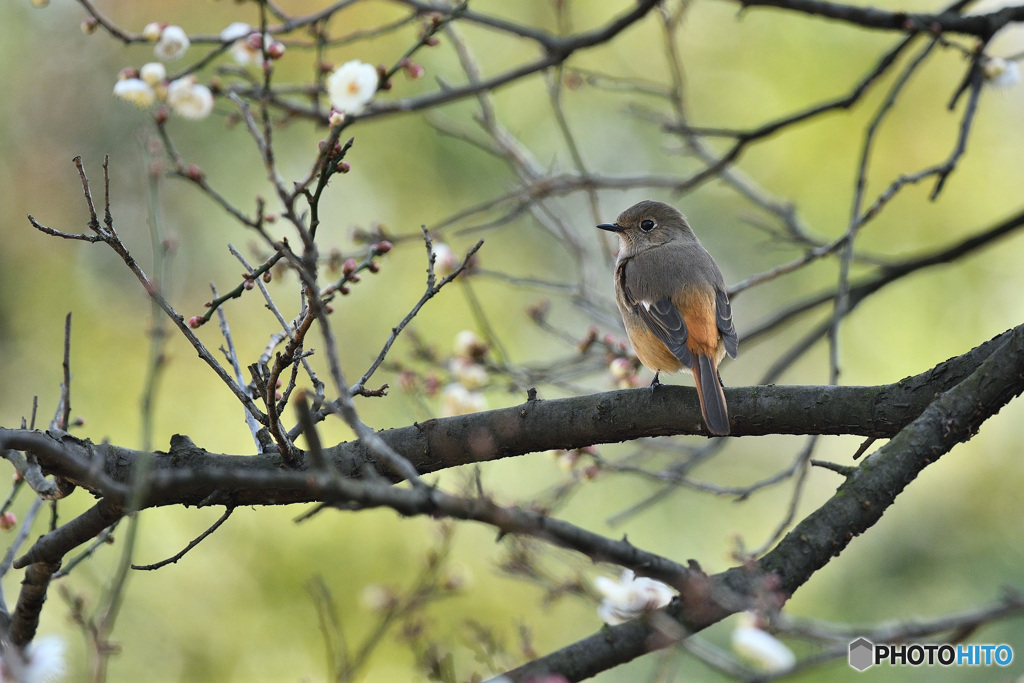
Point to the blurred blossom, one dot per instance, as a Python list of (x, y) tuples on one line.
[(629, 597), (468, 344), (249, 49), (152, 31), (467, 373), (1000, 73), (377, 597), (44, 661), (189, 99), (8, 521), (153, 73), (172, 44), (458, 400), (352, 85), (235, 31), (760, 648), (136, 91), (445, 260), (567, 460)]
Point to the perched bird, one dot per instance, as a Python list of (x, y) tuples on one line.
[(673, 302)]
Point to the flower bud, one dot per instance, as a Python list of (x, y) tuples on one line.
[(152, 31), (8, 521)]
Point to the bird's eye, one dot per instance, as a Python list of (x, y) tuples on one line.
[(647, 225)]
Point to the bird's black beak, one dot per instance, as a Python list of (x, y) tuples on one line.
[(613, 227)]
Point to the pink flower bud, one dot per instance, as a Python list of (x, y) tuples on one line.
[(8, 521), (348, 267), (268, 276), (194, 173), (354, 277), (382, 247), (276, 50), (196, 321), (414, 71), (160, 117), (343, 167), (374, 267), (248, 285), (89, 25)]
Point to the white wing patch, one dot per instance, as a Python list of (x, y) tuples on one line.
[(646, 305)]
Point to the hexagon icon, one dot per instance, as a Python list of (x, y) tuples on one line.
[(862, 654)]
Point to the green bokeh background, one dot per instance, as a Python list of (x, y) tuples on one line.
[(236, 608)]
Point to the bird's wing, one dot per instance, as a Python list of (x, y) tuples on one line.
[(723, 316), (662, 318)]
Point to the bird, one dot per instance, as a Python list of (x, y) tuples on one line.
[(674, 303)]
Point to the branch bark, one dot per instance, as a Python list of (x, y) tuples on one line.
[(953, 417), (190, 475)]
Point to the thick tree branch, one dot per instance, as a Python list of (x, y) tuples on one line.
[(534, 426), (981, 25), (856, 506)]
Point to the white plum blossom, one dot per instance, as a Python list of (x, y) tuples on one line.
[(153, 73), (458, 400), (352, 85), (1000, 73), (189, 99), (250, 49), (445, 260), (172, 44), (235, 31), (629, 597), (760, 648), (136, 91)]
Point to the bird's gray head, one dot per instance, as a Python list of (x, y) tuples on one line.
[(649, 224)]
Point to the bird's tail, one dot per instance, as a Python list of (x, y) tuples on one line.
[(712, 398)]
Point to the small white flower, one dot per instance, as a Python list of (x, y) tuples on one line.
[(629, 597), (152, 31), (249, 50), (136, 91), (336, 118), (467, 373), (352, 85), (458, 400), (758, 647), (172, 44), (445, 260), (189, 99), (153, 73), (235, 31), (999, 72)]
